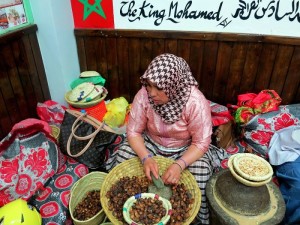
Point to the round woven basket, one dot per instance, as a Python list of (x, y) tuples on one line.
[(133, 167), (243, 180), (86, 104), (90, 182), (265, 170), (133, 199)]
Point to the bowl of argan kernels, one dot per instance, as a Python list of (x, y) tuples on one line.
[(147, 208)]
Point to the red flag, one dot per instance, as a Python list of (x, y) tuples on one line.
[(93, 13)]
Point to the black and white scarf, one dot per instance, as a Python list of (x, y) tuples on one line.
[(173, 75)]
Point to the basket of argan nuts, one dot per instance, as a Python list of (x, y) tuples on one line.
[(128, 179), (85, 205)]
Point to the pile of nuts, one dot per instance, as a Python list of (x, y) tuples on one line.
[(147, 211), (88, 206), (122, 190), (126, 187), (181, 202)]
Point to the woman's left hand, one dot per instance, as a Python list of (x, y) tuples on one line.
[(172, 174)]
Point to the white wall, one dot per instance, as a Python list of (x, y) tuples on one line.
[(57, 42), (276, 17)]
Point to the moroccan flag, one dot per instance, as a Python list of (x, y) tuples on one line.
[(93, 13)]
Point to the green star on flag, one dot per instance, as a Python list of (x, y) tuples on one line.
[(88, 8)]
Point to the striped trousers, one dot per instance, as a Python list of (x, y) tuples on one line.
[(202, 169)]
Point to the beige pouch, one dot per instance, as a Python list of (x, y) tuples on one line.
[(224, 135)]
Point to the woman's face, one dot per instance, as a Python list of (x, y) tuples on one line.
[(158, 95)]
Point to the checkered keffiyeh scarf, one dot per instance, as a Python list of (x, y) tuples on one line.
[(173, 75)]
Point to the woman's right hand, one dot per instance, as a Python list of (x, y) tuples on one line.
[(150, 165)]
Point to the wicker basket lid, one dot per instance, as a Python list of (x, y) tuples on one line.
[(252, 167), (81, 91), (90, 73), (86, 104), (242, 179), (95, 93)]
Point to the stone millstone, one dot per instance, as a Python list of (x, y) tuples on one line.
[(233, 203), (248, 201)]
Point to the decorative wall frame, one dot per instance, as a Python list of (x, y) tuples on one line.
[(14, 14)]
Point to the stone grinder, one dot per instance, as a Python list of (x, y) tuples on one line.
[(234, 203)]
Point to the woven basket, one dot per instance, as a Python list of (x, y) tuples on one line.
[(264, 170), (55, 131), (243, 180), (106, 221), (90, 182), (83, 105), (133, 199), (133, 167)]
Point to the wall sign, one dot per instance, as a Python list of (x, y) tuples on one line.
[(14, 14), (273, 17)]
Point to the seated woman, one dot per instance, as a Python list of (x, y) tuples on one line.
[(170, 117)]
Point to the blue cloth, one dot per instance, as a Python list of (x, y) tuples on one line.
[(288, 175), (283, 147)]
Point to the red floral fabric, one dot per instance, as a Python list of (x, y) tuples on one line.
[(22, 175), (260, 129), (29, 156), (53, 201), (251, 104)]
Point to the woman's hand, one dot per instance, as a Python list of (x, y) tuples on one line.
[(172, 174), (150, 165)]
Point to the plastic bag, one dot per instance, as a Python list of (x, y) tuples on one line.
[(51, 112), (116, 112)]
